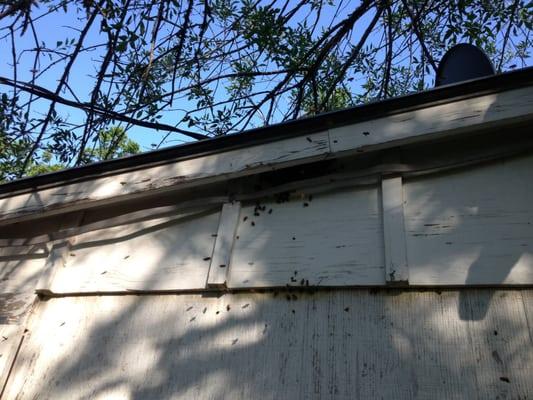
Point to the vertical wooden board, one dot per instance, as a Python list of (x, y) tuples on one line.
[(472, 227), (10, 338), (20, 268), (333, 239), (499, 330), (527, 301), (396, 268), (220, 262), (328, 345), (163, 254), (437, 342)]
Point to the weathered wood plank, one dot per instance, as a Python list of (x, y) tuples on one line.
[(396, 268), (186, 174), (498, 329), (472, 227), (329, 345), (58, 256), (169, 253), (24, 251), (220, 261), (10, 340), (527, 301), (326, 240), (419, 125), (430, 332), (20, 274), (13, 306), (429, 122), (56, 260)]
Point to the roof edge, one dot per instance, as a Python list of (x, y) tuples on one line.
[(439, 95)]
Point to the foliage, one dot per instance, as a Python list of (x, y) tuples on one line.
[(110, 143), (201, 68)]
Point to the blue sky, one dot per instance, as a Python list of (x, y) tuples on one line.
[(63, 26)]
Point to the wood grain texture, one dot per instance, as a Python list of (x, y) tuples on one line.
[(351, 344), (427, 123), (55, 262), (396, 267), (10, 339), (20, 268), (327, 240), (169, 253), (472, 227), (186, 174), (220, 261)]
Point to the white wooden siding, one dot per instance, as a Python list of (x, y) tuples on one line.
[(472, 227), (420, 125), (185, 174), (469, 227), (169, 253), (428, 122), (220, 262), (354, 344), (20, 269), (396, 267), (333, 239)]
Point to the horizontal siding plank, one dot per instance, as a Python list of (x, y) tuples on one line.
[(415, 126), (186, 174), (426, 123), (165, 254), (324, 240), (472, 227)]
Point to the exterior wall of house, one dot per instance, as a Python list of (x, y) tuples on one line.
[(268, 295), (333, 344), (466, 227)]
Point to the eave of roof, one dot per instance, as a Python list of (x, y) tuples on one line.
[(443, 94)]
